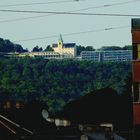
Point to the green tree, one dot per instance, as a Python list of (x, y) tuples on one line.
[(127, 47), (89, 48), (57, 82), (8, 46), (106, 48), (37, 49), (49, 48), (82, 48)]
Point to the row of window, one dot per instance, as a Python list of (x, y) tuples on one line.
[(124, 55)]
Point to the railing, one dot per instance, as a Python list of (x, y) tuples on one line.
[(14, 128)]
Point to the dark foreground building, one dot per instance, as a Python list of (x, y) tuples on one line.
[(98, 107)]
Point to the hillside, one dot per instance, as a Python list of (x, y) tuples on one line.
[(58, 81)]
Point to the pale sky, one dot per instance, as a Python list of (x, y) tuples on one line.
[(53, 25)]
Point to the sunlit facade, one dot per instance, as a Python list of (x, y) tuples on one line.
[(66, 50)]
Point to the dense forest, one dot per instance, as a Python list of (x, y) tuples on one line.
[(8, 46), (58, 82)]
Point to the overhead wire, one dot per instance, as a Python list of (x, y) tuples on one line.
[(37, 3), (82, 9), (108, 5), (74, 33), (69, 13), (63, 1), (73, 13)]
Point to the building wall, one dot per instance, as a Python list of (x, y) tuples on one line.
[(70, 52), (136, 59), (118, 55), (107, 56), (11, 104), (136, 112), (66, 52), (90, 55), (47, 55)]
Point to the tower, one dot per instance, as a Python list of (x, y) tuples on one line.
[(66, 50), (60, 42)]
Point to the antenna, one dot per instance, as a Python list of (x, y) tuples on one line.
[(45, 114)]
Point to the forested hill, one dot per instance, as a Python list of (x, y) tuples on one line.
[(8, 46), (58, 81)]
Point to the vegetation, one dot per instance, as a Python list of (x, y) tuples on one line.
[(82, 48), (58, 81), (7, 46), (127, 47), (106, 48), (49, 48), (37, 49)]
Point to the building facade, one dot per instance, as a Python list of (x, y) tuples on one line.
[(61, 50), (107, 56), (91, 55), (45, 55), (66, 50), (116, 55)]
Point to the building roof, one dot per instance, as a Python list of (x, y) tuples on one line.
[(54, 45), (105, 109), (65, 45), (69, 45)]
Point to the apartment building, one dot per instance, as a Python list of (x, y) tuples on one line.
[(107, 56)]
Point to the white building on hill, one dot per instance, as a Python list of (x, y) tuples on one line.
[(66, 50)]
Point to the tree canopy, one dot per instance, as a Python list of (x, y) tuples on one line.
[(37, 49), (8, 46), (48, 48), (57, 82), (82, 48)]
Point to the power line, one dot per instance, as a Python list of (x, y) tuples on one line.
[(74, 33), (109, 5), (83, 9), (38, 3), (121, 3), (65, 1), (70, 13)]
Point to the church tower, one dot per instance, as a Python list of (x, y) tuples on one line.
[(60, 42), (66, 50)]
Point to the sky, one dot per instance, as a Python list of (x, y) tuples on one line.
[(42, 29)]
